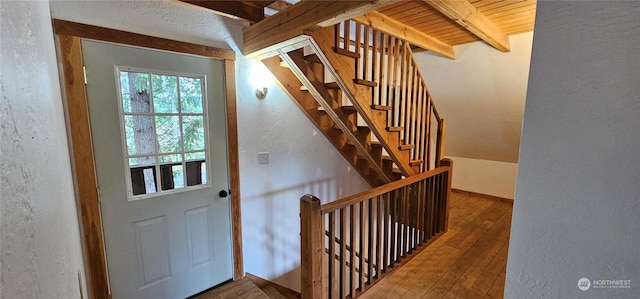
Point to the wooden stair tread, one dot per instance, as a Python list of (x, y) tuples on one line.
[(348, 108), (302, 87), (381, 107), (395, 129), (332, 85), (413, 163), (405, 147), (365, 82), (312, 58)]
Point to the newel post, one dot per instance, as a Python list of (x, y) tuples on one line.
[(311, 247), (446, 183)]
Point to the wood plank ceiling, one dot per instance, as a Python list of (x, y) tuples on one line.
[(451, 22), (509, 16)]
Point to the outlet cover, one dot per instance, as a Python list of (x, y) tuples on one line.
[(263, 158)]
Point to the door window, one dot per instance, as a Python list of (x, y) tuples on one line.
[(164, 131)]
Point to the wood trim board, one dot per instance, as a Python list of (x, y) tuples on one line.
[(69, 35)]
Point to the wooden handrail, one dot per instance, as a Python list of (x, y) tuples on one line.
[(356, 198)]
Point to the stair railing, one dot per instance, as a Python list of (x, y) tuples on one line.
[(350, 244), (386, 63)]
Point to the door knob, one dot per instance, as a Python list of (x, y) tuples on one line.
[(223, 193)]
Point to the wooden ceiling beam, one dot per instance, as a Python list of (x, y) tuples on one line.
[(238, 9), (469, 17), (297, 19), (393, 27)]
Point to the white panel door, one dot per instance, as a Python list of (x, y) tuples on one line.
[(159, 136)]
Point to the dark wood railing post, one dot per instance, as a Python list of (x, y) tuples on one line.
[(442, 131), (446, 184), (311, 247)]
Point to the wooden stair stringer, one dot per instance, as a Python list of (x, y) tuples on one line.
[(305, 101), (342, 68), (317, 88)]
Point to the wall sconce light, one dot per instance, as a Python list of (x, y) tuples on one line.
[(261, 93), (260, 78)]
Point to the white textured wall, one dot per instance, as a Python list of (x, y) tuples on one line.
[(301, 159), (485, 176), (577, 206), (40, 250), (481, 95)]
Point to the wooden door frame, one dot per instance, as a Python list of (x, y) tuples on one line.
[(69, 35)]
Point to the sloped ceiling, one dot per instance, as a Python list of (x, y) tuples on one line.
[(481, 95)]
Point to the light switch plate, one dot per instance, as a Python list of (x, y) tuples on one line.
[(263, 158)]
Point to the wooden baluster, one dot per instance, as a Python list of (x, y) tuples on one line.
[(380, 240), (401, 86), (406, 90), (421, 212), (400, 223), (343, 251), (425, 200), (406, 202), (419, 120), (409, 209), (428, 156), (352, 258), (390, 77), (388, 232), (363, 236), (413, 209), (365, 61), (414, 110), (385, 45), (346, 31), (331, 280), (336, 32), (436, 204), (375, 69), (392, 228), (312, 247), (430, 206), (447, 196), (396, 222), (370, 243), (442, 129), (424, 135), (393, 80), (358, 40)]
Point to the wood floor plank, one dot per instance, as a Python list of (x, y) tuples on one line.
[(497, 289), (469, 261), (242, 289)]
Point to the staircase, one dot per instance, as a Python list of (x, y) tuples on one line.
[(362, 89)]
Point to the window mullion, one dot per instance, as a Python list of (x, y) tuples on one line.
[(155, 136)]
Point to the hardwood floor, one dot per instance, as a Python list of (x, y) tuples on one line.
[(469, 261), (242, 288)]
